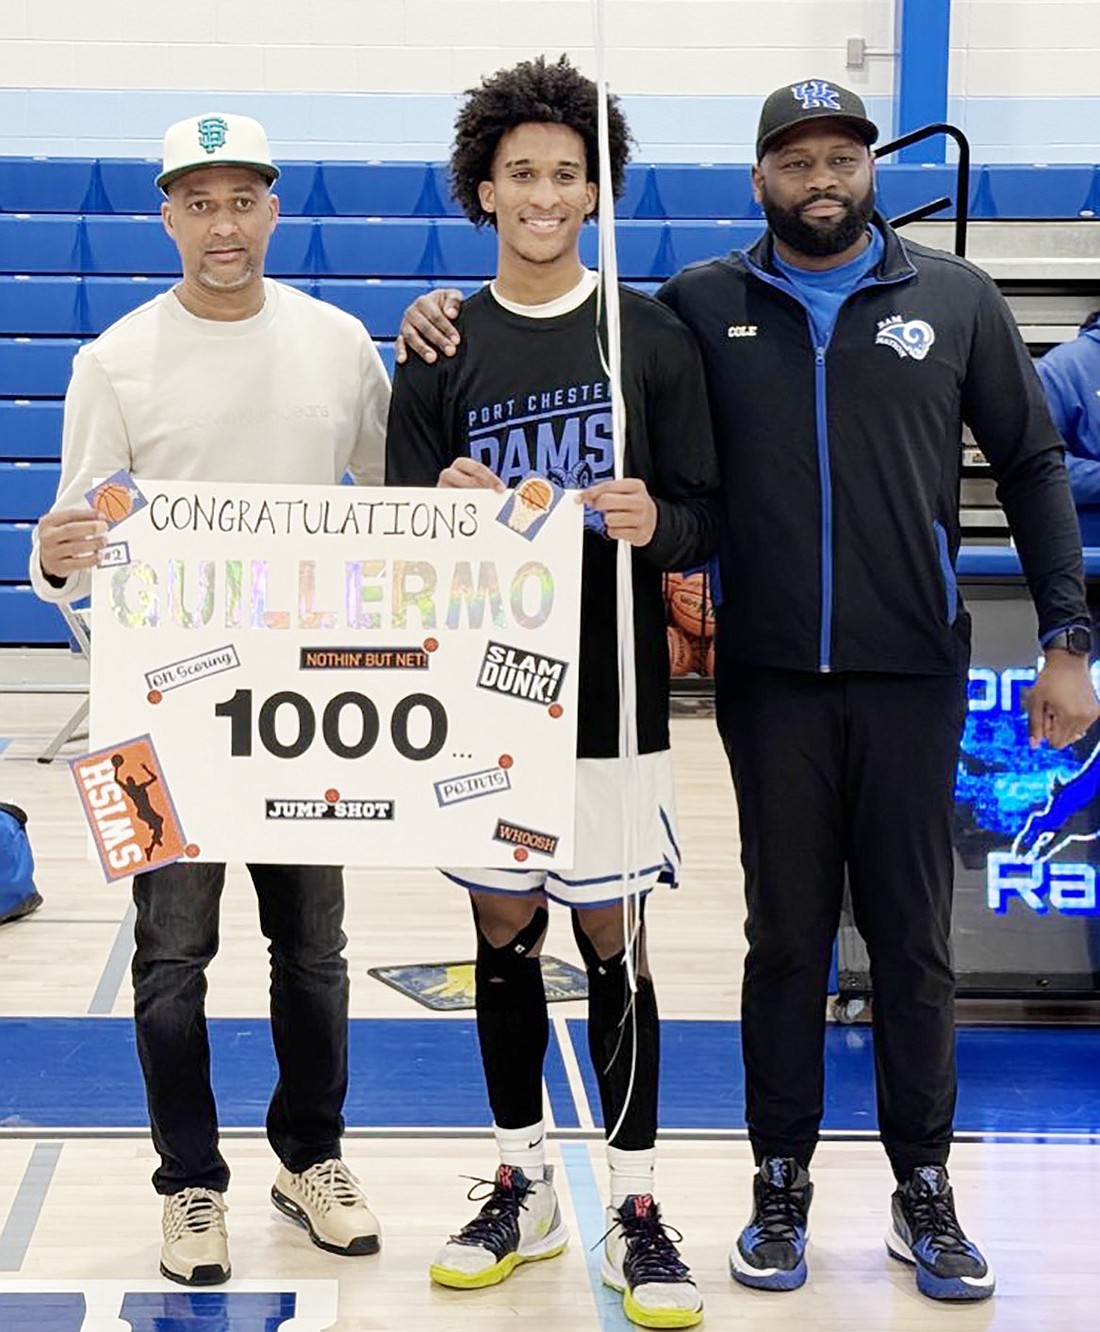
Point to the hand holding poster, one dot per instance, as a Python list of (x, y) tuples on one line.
[(345, 677)]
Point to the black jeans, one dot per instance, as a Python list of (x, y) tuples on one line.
[(176, 935), (856, 771)]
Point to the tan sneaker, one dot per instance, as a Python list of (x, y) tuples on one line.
[(327, 1200), (195, 1251)]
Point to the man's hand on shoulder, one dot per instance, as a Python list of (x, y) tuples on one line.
[(1062, 705), (69, 541), (628, 509), (426, 326)]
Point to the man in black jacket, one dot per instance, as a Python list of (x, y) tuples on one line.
[(842, 364)]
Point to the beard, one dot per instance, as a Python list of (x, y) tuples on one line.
[(214, 281), (816, 239)]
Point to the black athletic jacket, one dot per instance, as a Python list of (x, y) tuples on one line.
[(841, 463)]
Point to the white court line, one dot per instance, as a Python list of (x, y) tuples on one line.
[(18, 1230), (403, 1132), (573, 1074), (114, 972)]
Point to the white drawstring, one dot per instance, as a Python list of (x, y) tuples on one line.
[(611, 355)]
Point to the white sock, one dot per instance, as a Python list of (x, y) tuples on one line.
[(523, 1147), (631, 1172)]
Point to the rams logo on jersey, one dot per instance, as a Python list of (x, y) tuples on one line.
[(908, 337)]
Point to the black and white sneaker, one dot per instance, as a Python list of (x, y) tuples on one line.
[(926, 1234), (640, 1259), (519, 1223), (770, 1253)]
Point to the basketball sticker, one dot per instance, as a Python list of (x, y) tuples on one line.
[(116, 499), (529, 505)]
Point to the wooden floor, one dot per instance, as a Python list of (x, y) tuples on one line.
[(77, 1212)]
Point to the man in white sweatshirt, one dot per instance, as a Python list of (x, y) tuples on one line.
[(229, 376)]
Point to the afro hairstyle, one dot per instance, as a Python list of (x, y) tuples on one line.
[(533, 92)]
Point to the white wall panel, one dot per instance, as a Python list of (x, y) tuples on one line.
[(324, 71)]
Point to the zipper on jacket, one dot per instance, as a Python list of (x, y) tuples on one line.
[(826, 481), (824, 470)]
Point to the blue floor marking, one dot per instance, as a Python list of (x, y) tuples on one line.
[(26, 1208), (4, 743), (562, 1103), (43, 1313), (1031, 1080), (207, 1311), (426, 1073), (589, 1208)]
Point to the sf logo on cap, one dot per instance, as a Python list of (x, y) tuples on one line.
[(816, 94), (212, 131)]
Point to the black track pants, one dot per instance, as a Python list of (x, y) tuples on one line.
[(831, 772)]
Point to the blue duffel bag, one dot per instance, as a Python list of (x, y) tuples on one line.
[(18, 895)]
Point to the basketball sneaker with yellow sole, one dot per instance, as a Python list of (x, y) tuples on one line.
[(519, 1222), (640, 1259)]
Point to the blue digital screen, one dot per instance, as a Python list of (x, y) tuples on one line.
[(1029, 818)]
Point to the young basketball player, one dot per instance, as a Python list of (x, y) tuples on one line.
[(525, 161)]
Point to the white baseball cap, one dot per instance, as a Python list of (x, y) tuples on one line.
[(215, 139)]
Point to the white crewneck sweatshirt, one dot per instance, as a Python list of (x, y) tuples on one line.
[(296, 393)]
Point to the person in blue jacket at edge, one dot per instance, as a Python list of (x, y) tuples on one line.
[(1071, 377)]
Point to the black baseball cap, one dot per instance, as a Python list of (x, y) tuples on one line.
[(812, 99)]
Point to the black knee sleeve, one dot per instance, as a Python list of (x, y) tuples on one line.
[(623, 1034), (512, 1025)]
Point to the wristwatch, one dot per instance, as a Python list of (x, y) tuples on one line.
[(1076, 639)]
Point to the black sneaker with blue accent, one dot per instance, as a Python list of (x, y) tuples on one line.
[(770, 1253), (926, 1234)]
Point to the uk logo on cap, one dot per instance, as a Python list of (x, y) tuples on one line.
[(816, 95), (212, 132)]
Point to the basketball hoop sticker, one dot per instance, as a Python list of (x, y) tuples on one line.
[(116, 499), (529, 505), (129, 808)]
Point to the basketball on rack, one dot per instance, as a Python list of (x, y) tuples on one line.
[(682, 656), (690, 605)]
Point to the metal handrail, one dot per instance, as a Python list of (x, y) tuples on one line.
[(962, 179)]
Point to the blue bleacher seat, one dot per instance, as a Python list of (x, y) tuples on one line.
[(40, 305), (379, 247), (106, 299), (37, 244), (35, 367), (690, 191), (289, 251), (30, 430), (379, 305), (463, 250), (1035, 191), (25, 621), (126, 186), (295, 188), (44, 184), (27, 489), (15, 551), (903, 186), (440, 190), (381, 189), (127, 245)]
